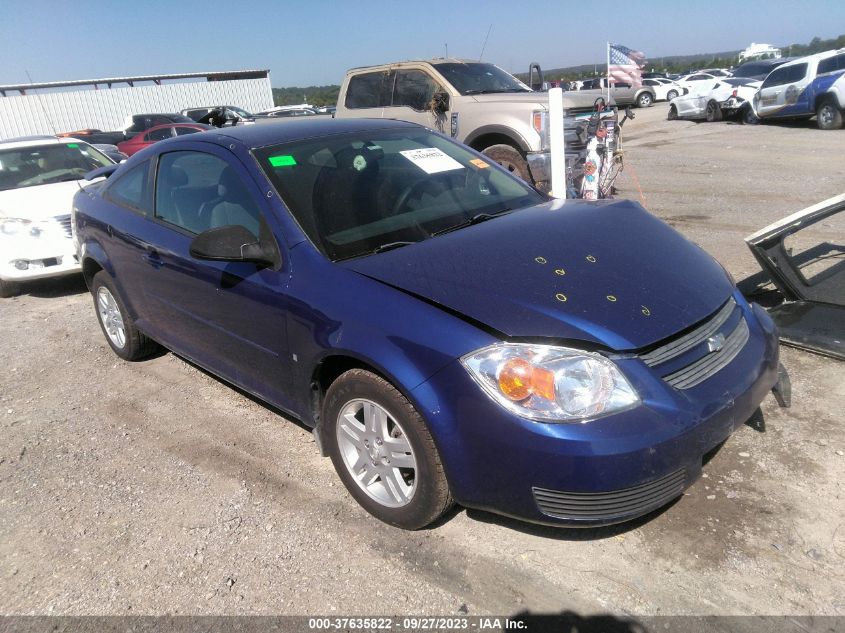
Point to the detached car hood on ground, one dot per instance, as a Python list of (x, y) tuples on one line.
[(607, 273), (38, 202)]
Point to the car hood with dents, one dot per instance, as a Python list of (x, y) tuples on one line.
[(39, 202), (609, 274)]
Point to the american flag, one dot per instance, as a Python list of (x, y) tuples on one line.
[(625, 65)]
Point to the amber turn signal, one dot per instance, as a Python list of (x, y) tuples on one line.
[(519, 379)]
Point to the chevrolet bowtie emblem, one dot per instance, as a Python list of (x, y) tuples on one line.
[(715, 343)]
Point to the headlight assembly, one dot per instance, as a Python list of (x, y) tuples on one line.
[(555, 384), (21, 226)]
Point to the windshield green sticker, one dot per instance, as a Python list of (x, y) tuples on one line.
[(73, 145), (282, 161)]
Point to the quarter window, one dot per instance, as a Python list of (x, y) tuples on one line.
[(196, 191), (131, 190)]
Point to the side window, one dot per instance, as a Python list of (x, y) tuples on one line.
[(370, 90), (182, 130), (130, 189), (159, 135), (414, 89), (649, 82), (197, 191), (785, 75), (831, 64)]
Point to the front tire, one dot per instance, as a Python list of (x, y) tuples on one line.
[(828, 116), (510, 158), (383, 452), (713, 112), (121, 334), (644, 100), (673, 113)]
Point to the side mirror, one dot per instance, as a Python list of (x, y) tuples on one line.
[(440, 102), (232, 244), (535, 77)]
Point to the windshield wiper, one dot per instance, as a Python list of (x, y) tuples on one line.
[(478, 218), (390, 246)]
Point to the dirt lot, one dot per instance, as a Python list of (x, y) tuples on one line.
[(154, 488)]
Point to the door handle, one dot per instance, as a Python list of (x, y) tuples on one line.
[(152, 258)]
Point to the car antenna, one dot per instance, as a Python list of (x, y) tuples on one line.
[(46, 116), (485, 41)]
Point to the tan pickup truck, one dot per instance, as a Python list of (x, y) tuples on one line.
[(476, 103)]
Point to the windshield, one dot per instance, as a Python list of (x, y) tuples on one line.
[(356, 194), (475, 79), (46, 164)]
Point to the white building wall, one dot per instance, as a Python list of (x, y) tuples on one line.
[(107, 108)]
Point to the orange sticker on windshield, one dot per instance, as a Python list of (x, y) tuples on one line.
[(479, 163)]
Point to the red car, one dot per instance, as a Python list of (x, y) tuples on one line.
[(159, 133)]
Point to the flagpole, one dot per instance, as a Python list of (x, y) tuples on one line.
[(608, 73)]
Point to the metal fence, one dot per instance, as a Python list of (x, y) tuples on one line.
[(51, 111)]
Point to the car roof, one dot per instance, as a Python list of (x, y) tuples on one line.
[(286, 130), (35, 141), (433, 60), (815, 56)]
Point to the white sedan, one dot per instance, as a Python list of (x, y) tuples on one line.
[(38, 179), (664, 89), (694, 81)]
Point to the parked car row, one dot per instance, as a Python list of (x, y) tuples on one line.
[(773, 89)]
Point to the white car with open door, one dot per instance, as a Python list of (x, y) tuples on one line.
[(38, 179)]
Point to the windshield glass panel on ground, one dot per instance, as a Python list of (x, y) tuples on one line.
[(353, 194), (46, 164), (474, 79)]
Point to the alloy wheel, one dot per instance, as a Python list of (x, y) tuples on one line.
[(110, 317), (377, 453)]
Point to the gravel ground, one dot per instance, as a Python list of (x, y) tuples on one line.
[(153, 488)]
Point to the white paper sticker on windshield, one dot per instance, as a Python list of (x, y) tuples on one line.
[(431, 160)]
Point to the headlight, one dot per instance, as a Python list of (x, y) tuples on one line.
[(21, 226), (557, 384), (13, 226)]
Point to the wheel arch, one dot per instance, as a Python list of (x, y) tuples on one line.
[(489, 135)]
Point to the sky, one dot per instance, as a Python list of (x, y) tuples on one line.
[(306, 42)]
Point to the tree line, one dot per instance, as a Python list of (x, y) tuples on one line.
[(327, 95)]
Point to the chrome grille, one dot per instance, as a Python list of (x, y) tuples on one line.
[(607, 506), (64, 222), (702, 369)]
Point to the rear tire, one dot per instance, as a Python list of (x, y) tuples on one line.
[(828, 116), (369, 428), (673, 113), (671, 95), (713, 112), (8, 289), (120, 332), (510, 158)]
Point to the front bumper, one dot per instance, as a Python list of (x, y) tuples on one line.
[(25, 258), (601, 472)]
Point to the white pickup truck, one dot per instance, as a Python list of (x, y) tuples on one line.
[(476, 103), (806, 87)]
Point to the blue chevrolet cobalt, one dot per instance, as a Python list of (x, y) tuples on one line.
[(451, 334)]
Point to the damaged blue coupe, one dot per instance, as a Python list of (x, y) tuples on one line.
[(450, 333)]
